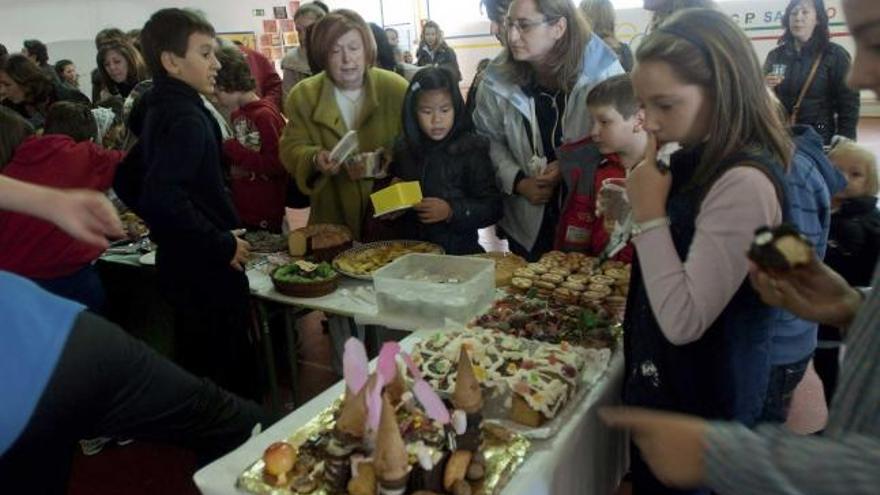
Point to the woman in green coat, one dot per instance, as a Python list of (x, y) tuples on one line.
[(349, 94)]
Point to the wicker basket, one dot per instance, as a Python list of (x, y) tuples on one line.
[(306, 289)]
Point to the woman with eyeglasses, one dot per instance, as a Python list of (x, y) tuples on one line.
[(532, 100)]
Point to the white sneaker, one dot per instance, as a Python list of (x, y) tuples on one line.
[(93, 446)]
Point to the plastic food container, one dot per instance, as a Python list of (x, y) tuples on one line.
[(431, 288), (397, 197)]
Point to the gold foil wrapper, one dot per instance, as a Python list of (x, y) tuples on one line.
[(504, 450)]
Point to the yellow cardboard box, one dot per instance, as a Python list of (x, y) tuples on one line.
[(397, 197)]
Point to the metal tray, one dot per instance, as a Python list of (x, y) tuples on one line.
[(433, 248)]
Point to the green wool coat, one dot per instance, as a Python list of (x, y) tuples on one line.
[(316, 124)]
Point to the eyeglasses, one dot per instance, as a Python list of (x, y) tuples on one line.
[(525, 25)]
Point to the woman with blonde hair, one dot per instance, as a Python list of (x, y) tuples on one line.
[(533, 99), (348, 94), (600, 13), (433, 51)]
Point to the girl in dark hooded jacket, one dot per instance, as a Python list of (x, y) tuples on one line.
[(440, 150)]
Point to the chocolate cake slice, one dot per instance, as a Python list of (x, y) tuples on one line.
[(780, 248)]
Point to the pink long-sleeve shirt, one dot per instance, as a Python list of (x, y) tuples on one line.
[(688, 295)]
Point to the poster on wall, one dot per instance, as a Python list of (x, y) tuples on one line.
[(280, 12), (270, 39), (270, 25), (287, 25), (293, 7), (246, 38), (291, 39)]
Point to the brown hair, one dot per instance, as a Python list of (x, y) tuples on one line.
[(137, 69), (327, 31), (673, 6), (168, 30), (616, 92), (13, 130), (433, 24), (234, 73), (865, 158), (600, 15), (565, 58), (71, 119), (705, 48), (37, 86)]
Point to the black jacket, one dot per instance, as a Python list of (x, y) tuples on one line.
[(443, 57), (174, 179), (461, 173), (854, 240), (830, 106)]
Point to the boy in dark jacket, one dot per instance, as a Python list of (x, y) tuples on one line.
[(184, 200), (65, 157), (259, 181), (853, 243), (440, 150)]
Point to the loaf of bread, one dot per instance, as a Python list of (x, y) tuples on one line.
[(320, 241)]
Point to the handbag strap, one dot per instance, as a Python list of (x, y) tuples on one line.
[(792, 120)]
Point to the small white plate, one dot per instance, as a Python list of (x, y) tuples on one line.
[(148, 259)]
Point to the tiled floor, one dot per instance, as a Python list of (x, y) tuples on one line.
[(148, 469)]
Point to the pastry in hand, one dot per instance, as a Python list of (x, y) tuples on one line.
[(780, 248)]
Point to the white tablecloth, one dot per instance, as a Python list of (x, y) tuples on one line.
[(583, 458)]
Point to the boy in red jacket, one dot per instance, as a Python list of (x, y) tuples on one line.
[(259, 181), (65, 157), (618, 130)]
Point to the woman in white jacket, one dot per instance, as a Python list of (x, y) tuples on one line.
[(532, 100)]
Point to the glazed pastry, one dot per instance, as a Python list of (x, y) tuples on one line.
[(563, 272), (602, 280), (521, 283), (574, 286), (602, 289), (543, 284), (618, 274), (525, 273), (780, 248), (553, 278), (538, 268), (592, 296)]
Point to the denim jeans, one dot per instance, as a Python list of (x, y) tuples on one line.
[(784, 378)]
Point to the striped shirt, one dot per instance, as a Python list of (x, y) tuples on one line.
[(846, 459)]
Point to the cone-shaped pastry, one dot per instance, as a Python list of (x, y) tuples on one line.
[(467, 395), (352, 419), (396, 388), (390, 458)]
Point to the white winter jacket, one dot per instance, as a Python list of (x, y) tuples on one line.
[(501, 108)]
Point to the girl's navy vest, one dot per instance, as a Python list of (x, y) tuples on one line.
[(724, 374)]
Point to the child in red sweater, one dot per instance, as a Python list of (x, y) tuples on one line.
[(259, 181), (65, 157), (618, 131)]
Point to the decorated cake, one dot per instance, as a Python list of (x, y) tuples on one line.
[(538, 378), (392, 434)]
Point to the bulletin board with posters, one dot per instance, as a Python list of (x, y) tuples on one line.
[(246, 38)]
